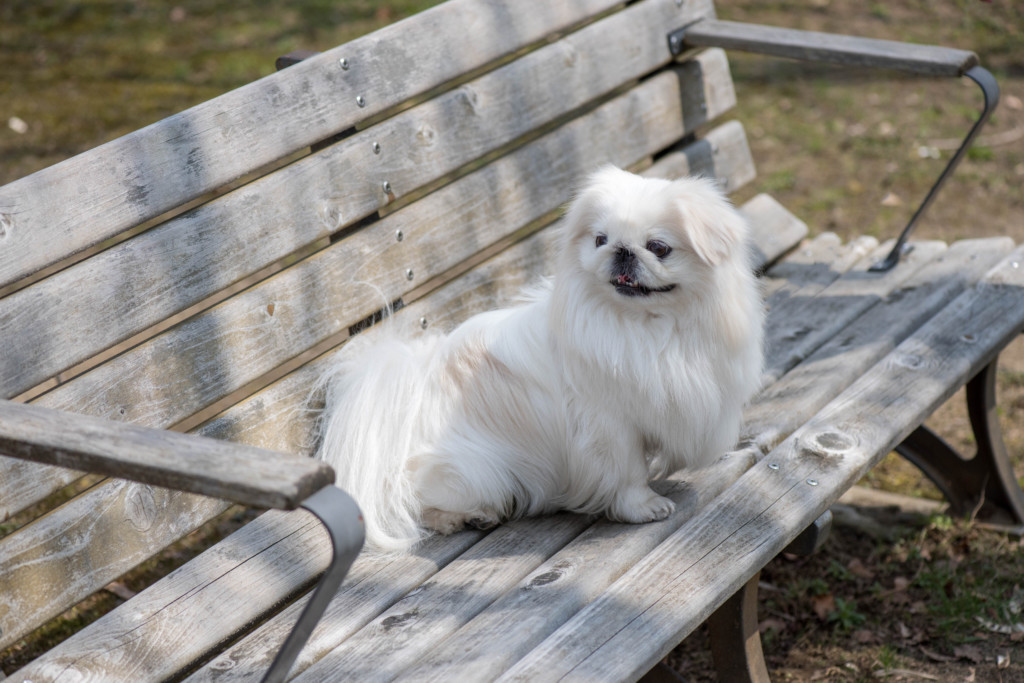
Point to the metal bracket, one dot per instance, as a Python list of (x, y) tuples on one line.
[(990, 89), (984, 486), (677, 40), (344, 523)]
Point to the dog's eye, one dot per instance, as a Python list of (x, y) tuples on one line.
[(601, 240), (659, 248)]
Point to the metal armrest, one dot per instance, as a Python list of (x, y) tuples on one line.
[(928, 60), (230, 471), (185, 462)]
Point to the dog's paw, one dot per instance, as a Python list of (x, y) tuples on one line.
[(640, 505), (445, 522)]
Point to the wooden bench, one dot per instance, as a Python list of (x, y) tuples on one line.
[(197, 276)]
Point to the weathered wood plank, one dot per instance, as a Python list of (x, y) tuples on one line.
[(242, 474), (84, 200), (275, 419), (407, 632), (670, 592), (791, 401), (803, 321), (929, 60), (177, 373), (813, 267), (723, 154), (83, 310)]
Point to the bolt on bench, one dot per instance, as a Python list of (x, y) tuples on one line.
[(169, 300)]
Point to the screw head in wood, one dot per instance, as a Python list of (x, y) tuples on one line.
[(399, 235), (386, 187), (773, 465), (812, 482), (423, 323), (409, 274), (376, 148), (344, 64), (360, 101)]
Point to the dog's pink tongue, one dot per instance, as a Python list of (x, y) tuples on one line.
[(624, 279)]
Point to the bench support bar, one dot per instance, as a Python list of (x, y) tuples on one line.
[(990, 89), (735, 639), (344, 523), (983, 486)]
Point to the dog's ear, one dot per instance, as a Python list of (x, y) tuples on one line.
[(714, 228)]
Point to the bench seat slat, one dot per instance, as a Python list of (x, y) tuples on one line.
[(669, 593), (176, 374), (929, 60), (81, 201), (809, 386), (805, 320), (211, 467), (145, 518), (139, 283)]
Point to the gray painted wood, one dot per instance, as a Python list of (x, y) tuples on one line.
[(84, 200), (803, 321), (139, 283), (929, 60), (626, 630), (805, 389), (275, 419), (242, 474), (409, 631), (172, 376)]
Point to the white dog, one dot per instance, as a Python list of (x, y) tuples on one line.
[(634, 361)]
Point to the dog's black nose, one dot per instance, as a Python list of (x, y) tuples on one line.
[(624, 256)]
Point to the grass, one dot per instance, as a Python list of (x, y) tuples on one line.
[(850, 151)]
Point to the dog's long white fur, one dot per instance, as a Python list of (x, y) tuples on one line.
[(573, 399)]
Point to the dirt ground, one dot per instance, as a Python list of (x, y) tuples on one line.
[(911, 597)]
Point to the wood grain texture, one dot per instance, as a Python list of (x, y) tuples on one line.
[(814, 266), (723, 154), (186, 368), (804, 320), (671, 591), (276, 419), (788, 403), (85, 309), (242, 474), (82, 201), (534, 607), (929, 60)]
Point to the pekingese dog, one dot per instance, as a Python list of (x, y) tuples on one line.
[(635, 360)]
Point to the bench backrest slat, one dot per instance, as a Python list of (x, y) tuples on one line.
[(137, 284), (82, 201)]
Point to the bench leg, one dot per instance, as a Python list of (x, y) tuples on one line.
[(735, 640), (983, 486), (344, 523)]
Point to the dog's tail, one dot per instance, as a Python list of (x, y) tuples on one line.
[(370, 425)]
